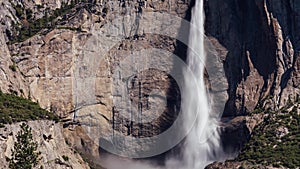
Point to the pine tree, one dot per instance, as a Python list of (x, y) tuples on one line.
[(24, 153)]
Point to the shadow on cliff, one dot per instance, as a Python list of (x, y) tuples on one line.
[(239, 26)]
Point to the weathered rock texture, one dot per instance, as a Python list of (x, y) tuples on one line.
[(51, 64), (71, 70), (258, 41), (263, 47), (51, 144), (261, 38)]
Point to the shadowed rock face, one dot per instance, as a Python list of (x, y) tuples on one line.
[(262, 60), (263, 47)]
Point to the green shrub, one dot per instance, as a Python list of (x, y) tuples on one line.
[(13, 67), (16, 109), (66, 158), (23, 32), (261, 147)]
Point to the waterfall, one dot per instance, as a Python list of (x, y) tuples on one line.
[(199, 122), (203, 138)]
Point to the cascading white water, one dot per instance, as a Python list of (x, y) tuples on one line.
[(203, 138)]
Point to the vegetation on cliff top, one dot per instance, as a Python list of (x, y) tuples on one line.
[(30, 26), (16, 109), (276, 141)]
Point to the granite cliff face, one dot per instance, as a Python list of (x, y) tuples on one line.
[(257, 40), (262, 40), (67, 66), (51, 144)]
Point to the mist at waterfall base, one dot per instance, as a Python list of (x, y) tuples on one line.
[(202, 144)]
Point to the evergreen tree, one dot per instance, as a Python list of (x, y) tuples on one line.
[(24, 153)]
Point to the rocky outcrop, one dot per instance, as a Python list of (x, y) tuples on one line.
[(236, 131), (50, 62), (261, 42), (72, 69), (10, 78), (51, 144), (263, 48)]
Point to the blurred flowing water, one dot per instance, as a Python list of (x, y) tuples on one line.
[(202, 144)]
